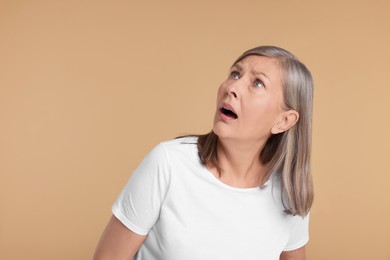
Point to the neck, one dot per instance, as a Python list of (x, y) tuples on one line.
[(240, 163)]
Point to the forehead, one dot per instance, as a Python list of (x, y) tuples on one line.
[(258, 62), (255, 64)]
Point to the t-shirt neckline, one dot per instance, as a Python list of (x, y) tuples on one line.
[(210, 176), (218, 182)]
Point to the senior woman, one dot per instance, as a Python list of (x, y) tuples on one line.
[(242, 191)]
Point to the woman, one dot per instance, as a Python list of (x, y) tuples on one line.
[(243, 191)]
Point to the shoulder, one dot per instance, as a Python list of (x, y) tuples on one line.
[(179, 142), (168, 147), (170, 154), (179, 147)]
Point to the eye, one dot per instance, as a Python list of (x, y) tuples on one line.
[(235, 75), (259, 84)]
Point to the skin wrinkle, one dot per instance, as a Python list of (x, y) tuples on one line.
[(260, 113)]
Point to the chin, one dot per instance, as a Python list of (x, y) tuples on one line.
[(217, 130), (221, 131)]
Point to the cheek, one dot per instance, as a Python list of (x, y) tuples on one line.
[(262, 112), (221, 91)]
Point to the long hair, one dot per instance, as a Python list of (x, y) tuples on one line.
[(287, 153)]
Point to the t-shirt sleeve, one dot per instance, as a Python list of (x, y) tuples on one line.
[(299, 233), (138, 206)]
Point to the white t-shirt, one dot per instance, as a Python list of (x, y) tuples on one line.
[(188, 214)]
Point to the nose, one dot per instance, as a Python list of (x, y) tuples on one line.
[(231, 93), (233, 89)]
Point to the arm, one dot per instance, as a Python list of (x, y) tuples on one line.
[(118, 242), (297, 254)]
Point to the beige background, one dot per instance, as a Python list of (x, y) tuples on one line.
[(87, 88)]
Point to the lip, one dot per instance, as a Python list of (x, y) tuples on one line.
[(229, 107)]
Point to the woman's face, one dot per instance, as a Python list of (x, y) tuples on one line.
[(250, 100)]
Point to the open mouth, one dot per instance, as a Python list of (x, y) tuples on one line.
[(228, 113)]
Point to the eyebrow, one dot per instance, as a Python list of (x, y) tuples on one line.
[(239, 68)]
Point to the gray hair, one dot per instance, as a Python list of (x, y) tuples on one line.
[(289, 153)]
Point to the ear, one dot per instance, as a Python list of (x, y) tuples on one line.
[(287, 120)]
